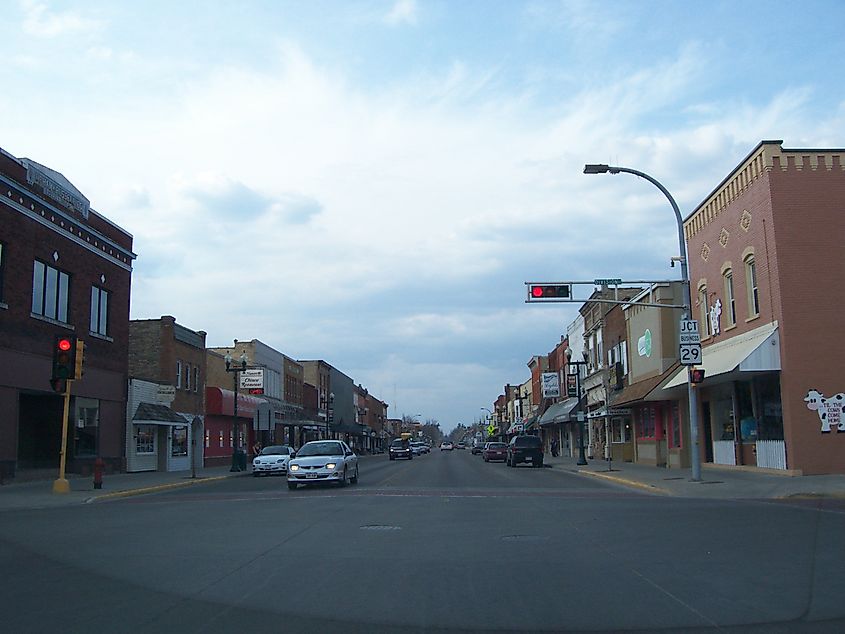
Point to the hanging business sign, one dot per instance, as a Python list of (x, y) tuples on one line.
[(551, 385), (253, 380), (831, 410), (571, 385)]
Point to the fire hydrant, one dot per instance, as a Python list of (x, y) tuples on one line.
[(99, 465)]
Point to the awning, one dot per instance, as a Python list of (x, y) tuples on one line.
[(757, 350), (559, 412), (355, 430), (157, 414), (639, 391)]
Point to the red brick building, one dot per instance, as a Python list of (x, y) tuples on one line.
[(64, 270), (766, 257)]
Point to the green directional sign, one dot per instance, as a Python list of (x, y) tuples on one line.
[(491, 429)]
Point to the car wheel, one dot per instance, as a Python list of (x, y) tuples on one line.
[(343, 480), (292, 486), (355, 477)]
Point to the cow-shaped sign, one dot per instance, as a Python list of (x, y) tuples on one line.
[(830, 410)]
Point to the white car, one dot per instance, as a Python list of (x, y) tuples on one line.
[(323, 461), (419, 448), (272, 459)]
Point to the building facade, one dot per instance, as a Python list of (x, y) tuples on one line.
[(65, 270)]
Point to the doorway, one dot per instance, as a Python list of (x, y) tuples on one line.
[(708, 432), (39, 431)]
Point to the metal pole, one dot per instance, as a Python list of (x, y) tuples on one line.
[(235, 466), (61, 485), (695, 456), (581, 416)]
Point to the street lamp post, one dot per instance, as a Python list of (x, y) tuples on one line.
[(330, 414), (695, 458), (235, 370), (582, 457)]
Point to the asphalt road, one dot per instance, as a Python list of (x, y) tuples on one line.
[(441, 543)]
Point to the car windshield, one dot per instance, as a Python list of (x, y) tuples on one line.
[(399, 444), (275, 450), (320, 449)]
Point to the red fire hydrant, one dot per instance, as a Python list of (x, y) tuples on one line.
[(99, 465)]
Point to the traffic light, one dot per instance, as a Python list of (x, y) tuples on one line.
[(78, 369), (549, 291), (697, 375), (64, 357)]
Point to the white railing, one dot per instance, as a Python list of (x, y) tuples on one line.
[(723, 452), (771, 454)]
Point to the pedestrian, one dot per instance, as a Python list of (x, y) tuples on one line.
[(555, 448), (256, 448)]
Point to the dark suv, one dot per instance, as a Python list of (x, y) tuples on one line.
[(400, 449), (525, 449)]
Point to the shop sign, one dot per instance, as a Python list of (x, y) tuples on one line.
[(253, 380), (571, 385), (644, 344), (830, 410), (715, 313), (551, 385), (166, 393)]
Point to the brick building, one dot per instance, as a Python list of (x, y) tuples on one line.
[(766, 258), (64, 270), (167, 370)]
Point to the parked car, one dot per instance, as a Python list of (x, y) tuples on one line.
[(477, 448), (400, 449), (525, 449), (446, 445), (272, 459), (495, 451), (420, 448), (323, 461), (462, 445)]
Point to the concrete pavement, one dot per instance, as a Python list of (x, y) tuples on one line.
[(717, 482)]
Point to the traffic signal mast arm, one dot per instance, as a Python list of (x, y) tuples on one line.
[(561, 292)]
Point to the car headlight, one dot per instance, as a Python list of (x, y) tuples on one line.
[(256, 461), (331, 465), (294, 467)]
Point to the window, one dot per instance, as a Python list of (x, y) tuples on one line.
[(729, 297), (2, 261), (50, 289), (675, 439), (704, 311), (99, 311), (221, 439), (145, 439), (179, 442), (85, 431), (178, 374), (196, 378), (187, 377), (751, 283), (646, 424)]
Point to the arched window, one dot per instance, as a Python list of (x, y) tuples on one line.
[(751, 285), (730, 300), (704, 311)]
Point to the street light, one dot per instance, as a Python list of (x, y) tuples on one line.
[(235, 370), (582, 457), (682, 246)]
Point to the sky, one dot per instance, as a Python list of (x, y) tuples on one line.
[(372, 183)]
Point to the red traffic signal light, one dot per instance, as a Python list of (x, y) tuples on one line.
[(64, 358), (550, 291)]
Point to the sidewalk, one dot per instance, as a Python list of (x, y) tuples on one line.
[(716, 482), (39, 493)]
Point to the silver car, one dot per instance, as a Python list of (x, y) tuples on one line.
[(323, 461)]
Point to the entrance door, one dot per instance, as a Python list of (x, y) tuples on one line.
[(708, 432), (39, 431), (162, 432)]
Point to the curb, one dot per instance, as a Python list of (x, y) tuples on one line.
[(833, 495), (154, 489), (631, 483)]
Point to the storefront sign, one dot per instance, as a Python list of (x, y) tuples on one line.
[(165, 393), (551, 385), (715, 313), (571, 385), (252, 380), (830, 410), (644, 344)]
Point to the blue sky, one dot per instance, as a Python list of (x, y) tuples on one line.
[(373, 182)]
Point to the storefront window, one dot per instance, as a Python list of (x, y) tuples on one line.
[(646, 426), (621, 430), (747, 422), (85, 431), (770, 425), (145, 439), (179, 442), (675, 427)]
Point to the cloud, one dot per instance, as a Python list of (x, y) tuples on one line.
[(40, 21), (402, 12)]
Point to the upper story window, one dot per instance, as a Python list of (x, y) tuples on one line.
[(751, 284), (178, 374), (704, 311), (196, 378), (50, 292), (187, 377), (730, 300), (99, 311)]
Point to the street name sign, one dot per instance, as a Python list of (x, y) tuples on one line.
[(607, 281), (689, 343)]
